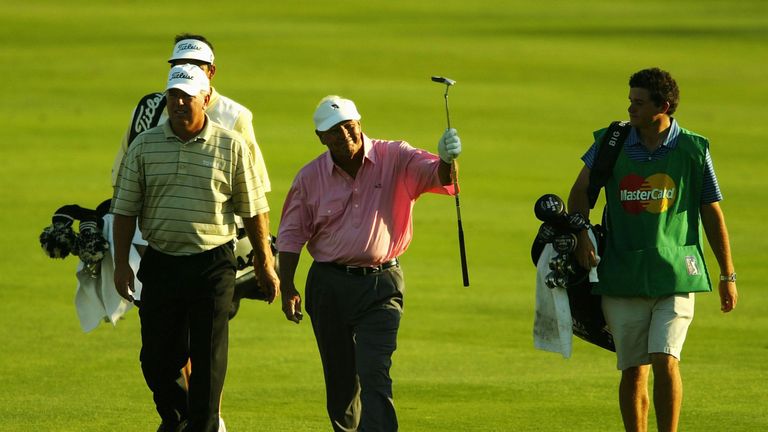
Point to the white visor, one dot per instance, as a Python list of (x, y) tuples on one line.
[(192, 49), (188, 78)]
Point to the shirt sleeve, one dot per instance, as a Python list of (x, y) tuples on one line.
[(420, 169), (120, 155), (295, 221), (247, 191), (590, 155), (244, 126), (710, 190), (128, 194)]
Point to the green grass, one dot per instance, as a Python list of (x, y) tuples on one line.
[(534, 79)]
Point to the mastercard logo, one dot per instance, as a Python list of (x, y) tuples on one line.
[(654, 194)]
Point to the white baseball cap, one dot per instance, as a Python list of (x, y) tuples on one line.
[(188, 78), (332, 110), (192, 49)]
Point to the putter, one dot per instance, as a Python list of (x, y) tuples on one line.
[(462, 250)]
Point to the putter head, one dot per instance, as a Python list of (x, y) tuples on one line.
[(443, 80)]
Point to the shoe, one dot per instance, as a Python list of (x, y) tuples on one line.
[(222, 426)]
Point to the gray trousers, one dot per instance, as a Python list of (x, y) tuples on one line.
[(355, 319)]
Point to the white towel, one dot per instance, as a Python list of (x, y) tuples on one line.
[(96, 297), (552, 324)]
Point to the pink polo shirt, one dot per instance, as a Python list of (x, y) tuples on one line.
[(361, 221)]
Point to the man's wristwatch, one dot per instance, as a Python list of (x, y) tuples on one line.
[(728, 278)]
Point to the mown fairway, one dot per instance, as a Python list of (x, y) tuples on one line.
[(534, 79)]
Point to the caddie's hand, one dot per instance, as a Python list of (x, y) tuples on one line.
[(291, 302), (268, 280), (729, 296), (585, 251), (449, 146), (124, 281)]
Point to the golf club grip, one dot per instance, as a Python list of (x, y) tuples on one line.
[(463, 254)]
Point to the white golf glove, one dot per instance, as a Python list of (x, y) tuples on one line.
[(449, 146)]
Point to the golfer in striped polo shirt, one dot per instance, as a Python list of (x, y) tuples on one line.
[(185, 180)]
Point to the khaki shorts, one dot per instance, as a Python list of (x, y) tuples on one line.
[(643, 325)]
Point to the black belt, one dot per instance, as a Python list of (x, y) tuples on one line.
[(362, 271)]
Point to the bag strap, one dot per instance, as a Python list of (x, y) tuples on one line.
[(147, 114), (607, 153)]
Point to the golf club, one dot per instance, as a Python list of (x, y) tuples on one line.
[(462, 251)]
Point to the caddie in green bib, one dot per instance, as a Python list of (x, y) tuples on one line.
[(654, 242)]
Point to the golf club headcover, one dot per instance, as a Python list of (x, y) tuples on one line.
[(58, 239), (550, 208), (449, 146), (91, 244)]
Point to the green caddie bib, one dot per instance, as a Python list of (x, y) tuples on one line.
[(654, 243)]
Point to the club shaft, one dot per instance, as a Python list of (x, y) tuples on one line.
[(447, 111), (462, 248), (463, 253)]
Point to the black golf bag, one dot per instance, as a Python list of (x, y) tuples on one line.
[(559, 229)]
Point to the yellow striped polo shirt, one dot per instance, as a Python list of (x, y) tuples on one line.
[(186, 194), (225, 112)]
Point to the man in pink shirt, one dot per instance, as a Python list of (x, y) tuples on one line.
[(352, 206)]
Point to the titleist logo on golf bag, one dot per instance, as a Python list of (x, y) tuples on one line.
[(616, 134), (147, 112)]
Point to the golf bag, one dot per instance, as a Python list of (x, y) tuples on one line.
[(246, 283), (91, 245), (559, 229), (147, 114)]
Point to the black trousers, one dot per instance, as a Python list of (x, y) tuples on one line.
[(355, 319), (185, 302)]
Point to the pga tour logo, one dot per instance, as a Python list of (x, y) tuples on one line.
[(654, 194)]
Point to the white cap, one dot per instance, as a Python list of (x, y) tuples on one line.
[(188, 78), (192, 49), (332, 110)]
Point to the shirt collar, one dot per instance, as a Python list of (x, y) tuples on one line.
[(367, 154), (214, 96), (204, 134), (670, 141)]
